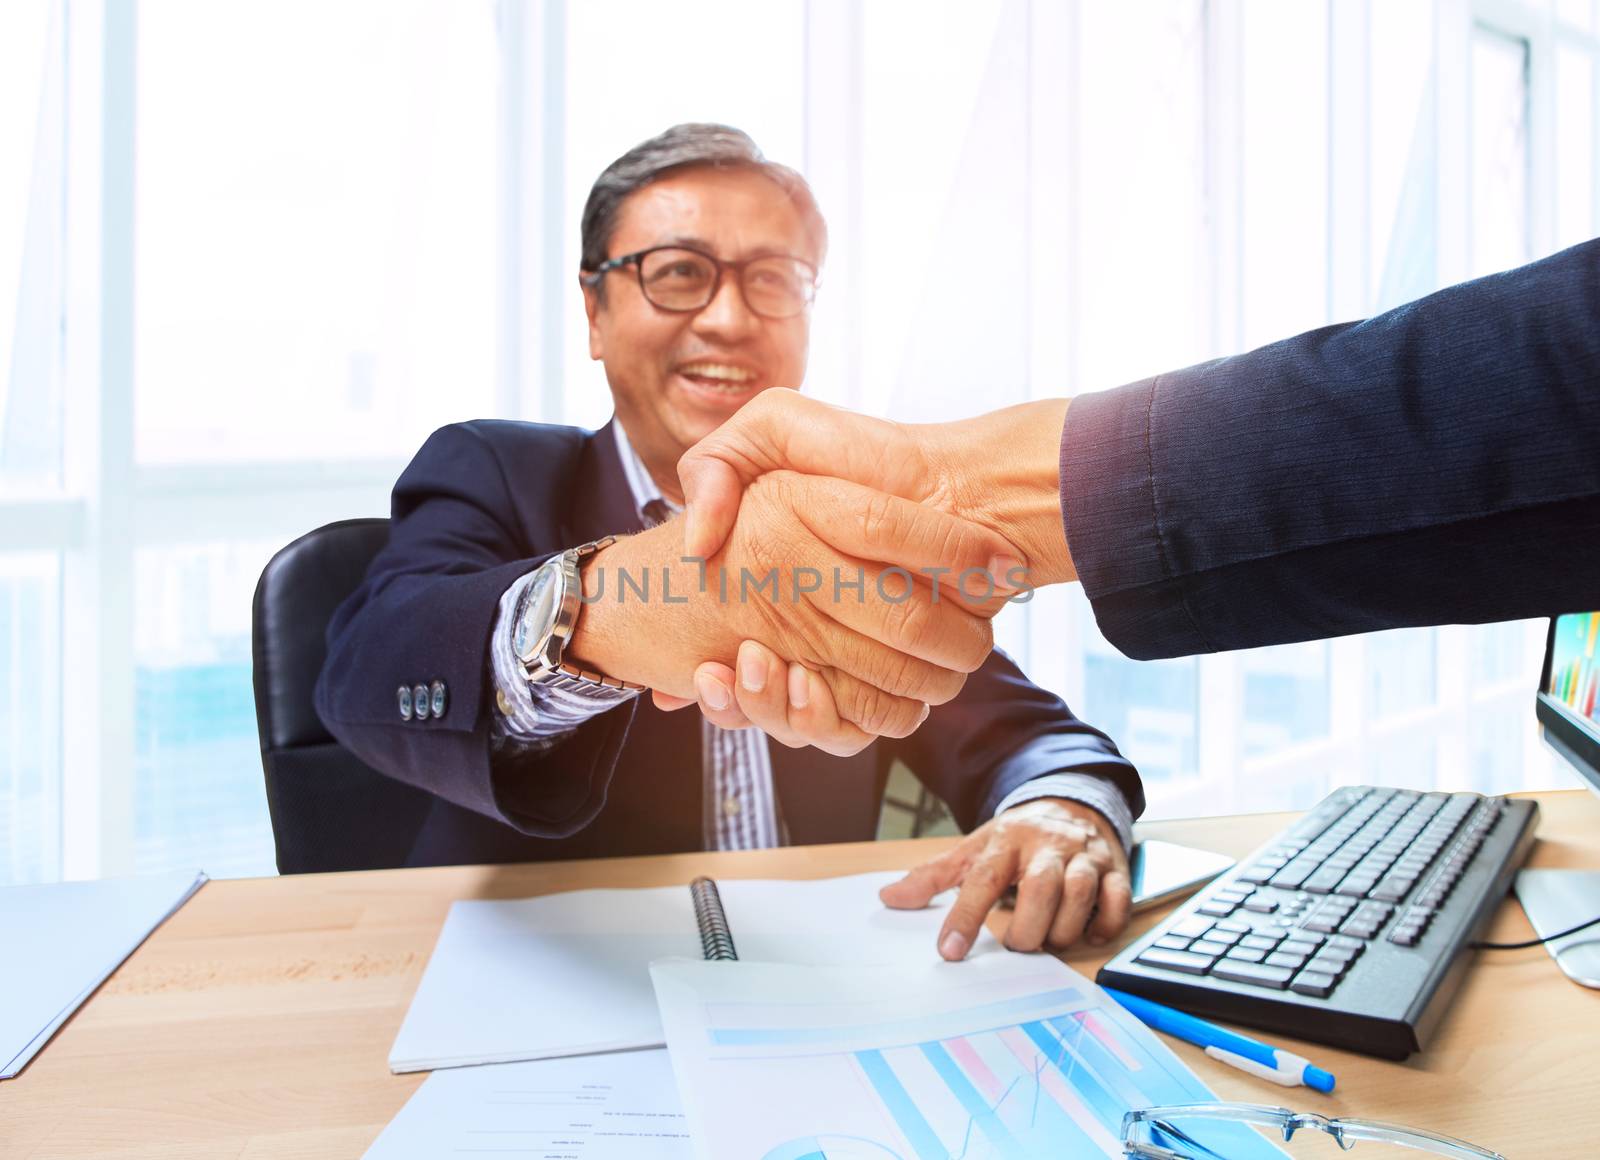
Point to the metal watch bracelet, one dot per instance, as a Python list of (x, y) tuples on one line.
[(569, 674)]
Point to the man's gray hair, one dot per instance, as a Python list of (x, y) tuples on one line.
[(684, 147)]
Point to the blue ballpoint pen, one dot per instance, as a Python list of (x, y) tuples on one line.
[(1271, 1063)]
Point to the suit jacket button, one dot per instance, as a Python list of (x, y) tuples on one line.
[(419, 702), (403, 695), (437, 698)]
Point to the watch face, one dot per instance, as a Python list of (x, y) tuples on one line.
[(539, 612)]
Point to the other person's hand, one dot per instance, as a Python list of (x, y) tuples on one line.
[(1000, 470), (1064, 859)]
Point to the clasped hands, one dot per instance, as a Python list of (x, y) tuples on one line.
[(834, 577), (835, 574)]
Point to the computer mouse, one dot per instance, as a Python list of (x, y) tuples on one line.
[(1580, 962)]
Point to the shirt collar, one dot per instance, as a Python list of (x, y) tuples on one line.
[(640, 483)]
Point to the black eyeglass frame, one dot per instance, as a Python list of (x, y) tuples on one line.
[(636, 260)]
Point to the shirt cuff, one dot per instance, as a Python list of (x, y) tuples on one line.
[(1086, 789), (530, 713)]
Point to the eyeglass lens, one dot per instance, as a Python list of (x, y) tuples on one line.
[(685, 280)]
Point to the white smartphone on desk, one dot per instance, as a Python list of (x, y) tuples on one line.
[(1164, 871)]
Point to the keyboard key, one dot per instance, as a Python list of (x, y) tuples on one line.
[(1234, 925), (1295, 873), (1190, 928), (1205, 946), (1326, 964), (1173, 943), (1216, 908), (1317, 984), (1259, 942), (1189, 964), (1261, 905), (1356, 886), (1225, 937), (1246, 954), (1393, 888), (1256, 974), (1297, 946), (1285, 959), (1324, 880), (1335, 940)]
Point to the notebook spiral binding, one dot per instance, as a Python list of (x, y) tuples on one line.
[(716, 939)]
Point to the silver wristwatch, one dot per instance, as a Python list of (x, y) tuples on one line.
[(546, 616)]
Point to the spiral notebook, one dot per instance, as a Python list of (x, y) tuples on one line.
[(716, 937), (569, 974)]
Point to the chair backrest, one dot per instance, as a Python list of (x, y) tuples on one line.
[(330, 811)]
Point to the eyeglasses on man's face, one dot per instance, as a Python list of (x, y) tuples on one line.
[(682, 280), (1168, 1133)]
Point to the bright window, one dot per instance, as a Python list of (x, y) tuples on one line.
[(1499, 151), (316, 231), (198, 794), (1575, 146), (30, 717), (32, 134)]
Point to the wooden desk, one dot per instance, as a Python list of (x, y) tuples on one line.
[(256, 1023)]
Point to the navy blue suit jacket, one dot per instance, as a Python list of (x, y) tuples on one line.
[(484, 502), (1436, 464)]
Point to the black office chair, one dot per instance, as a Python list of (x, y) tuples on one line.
[(323, 800)]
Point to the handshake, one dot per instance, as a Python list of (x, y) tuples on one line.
[(834, 575)]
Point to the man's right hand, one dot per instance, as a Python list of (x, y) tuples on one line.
[(884, 651)]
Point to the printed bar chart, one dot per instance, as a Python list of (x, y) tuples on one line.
[(1017, 1067)]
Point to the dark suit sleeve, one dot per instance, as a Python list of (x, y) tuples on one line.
[(425, 612), (1436, 464), (1000, 731)]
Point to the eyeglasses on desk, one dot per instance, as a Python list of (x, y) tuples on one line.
[(1144, 1128)]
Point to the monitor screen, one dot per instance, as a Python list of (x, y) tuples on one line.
[(1569, 693)]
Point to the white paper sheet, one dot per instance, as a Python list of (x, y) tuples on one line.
[(604, 1107), (63, 940), (1009, 1057), (568, 974)]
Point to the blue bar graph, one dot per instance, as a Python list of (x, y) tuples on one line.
[(1035, 1091), (1043, 1072), (901, 1106)]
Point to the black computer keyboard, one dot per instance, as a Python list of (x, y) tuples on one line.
[(1350, 927)]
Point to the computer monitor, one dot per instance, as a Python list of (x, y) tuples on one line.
[(1568, 707), (1568, 704)]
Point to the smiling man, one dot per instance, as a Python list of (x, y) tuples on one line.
[(699, 266)]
